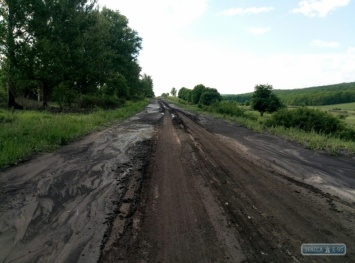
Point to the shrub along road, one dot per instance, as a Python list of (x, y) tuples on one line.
[(195, 189)]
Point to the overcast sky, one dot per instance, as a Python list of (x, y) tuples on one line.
[(232, 45)]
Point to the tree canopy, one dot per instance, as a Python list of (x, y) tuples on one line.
[(173, 92), (200, 94), (185, 94), (263, 100), (51, 45)]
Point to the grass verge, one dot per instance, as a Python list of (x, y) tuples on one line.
[(309, 140), (23, 134)]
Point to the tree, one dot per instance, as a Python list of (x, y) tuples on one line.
[(263, 100), (50, 46), (173, 92), (197, 92), (165, 95), (185, 94), (116, 86), (59, 29), (210, 96), (124, 45), (13, 42), (147, 86)]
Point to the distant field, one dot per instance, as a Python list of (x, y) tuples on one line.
[(313, 96), (345, 109), (345, 106)]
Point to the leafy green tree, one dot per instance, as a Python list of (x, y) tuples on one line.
[(124, 45), (14, 41), (58, 28), (116, 86), (210, 96), (185, 94), (147, 86), (197, 92), (263, 100), (50, 46), (165, 95), (173, 92), (64, 96)]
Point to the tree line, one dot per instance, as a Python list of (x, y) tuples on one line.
[(314, 96), (69, 50), (200, 94), (262, 100)]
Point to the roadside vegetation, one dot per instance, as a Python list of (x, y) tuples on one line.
[(69, 52), (317, 129), (24, 133), (67, 68)]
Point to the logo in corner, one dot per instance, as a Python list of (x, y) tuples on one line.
[(323, 249)]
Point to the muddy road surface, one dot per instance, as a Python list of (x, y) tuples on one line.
[(217, 192), (172, 186), (59, 207)]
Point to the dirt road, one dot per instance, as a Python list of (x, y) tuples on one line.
[(213, 198), (177, 187)]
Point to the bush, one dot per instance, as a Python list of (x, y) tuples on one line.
[(227, 108), (7, 117), (3, 99), (102, 101), (346, 134), (251, 116), (64, 96), (307, 120), (209, 97), (343, 116)]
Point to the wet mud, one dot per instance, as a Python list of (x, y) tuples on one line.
[(60, 207), (169, 185), (217, 192)]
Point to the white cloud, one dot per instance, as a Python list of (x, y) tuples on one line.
[(154, 15), (319, 8), (160, 23), (326, 44), (189, 63), (351, 50), (259, 30), (241, 11), (173, 60)]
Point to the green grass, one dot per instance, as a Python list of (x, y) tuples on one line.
[(315, 141), (347, 110), (345, 106), (24, 133), (310, 140)]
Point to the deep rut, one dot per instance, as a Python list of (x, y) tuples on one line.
[(204, 201)]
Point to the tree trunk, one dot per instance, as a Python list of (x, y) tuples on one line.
[(45, 96), (11, 100), (11, 58)]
